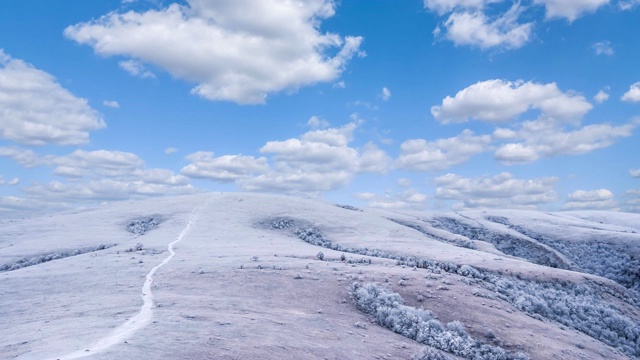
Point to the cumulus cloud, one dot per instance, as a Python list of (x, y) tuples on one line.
[(634, 173), (445, 6), (422, 155), (407, 199), (12, 206), (224, 169), (385, 94), (235, 50), (633, 95), (628, 4), (601, 97), (315, 122), (101, 162), (37, 110), (96, 176), (502, 190), (499, 100), (170, 150), (317, 161), (25, 157), (570, 10), (603, 48), (474, 28), (490, 24), (135, 68), (601, 199), (546, 139), (101, 190), (632, 202), (12, 182), (404, 182)]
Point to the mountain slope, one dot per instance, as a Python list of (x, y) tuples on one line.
[(247, 279)]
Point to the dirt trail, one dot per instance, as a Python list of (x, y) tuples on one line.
[(144, 316)]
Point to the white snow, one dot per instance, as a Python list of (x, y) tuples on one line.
[(203, 295)]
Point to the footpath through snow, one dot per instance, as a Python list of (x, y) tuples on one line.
[(144, 316)]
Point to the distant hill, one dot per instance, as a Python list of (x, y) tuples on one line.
[(248, 276)]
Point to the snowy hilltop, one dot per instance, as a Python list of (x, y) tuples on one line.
[(244, 276)]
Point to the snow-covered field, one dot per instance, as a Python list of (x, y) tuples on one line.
[(246, 276)]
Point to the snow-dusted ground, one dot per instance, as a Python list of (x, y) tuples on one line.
[(217, 280)]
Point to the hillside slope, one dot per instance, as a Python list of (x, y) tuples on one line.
[(250, 276)]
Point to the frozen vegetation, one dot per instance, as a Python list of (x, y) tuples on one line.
[(259, 276), (581, 307), (142, 226), (388, 309), (39, 259), (598, 257)]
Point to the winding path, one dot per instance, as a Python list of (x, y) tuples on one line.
[(144, 316)]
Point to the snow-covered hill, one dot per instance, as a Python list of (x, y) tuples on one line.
[(243, 276)]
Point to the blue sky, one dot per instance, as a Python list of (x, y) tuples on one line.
[(434, 104)]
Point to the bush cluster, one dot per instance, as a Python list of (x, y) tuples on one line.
[(579, 306), (142, 226), (387, 309), (510, 245), (599, 258), (35, 260)]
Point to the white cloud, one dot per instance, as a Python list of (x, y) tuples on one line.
[(386, 94), (13, 206), (502, 190), (101, 190), (340, 85), (422, 155), (601, 199), (500, 100), (113, 165), (633, 95), (226, 168), (317, 161), (546, 139), (634, 173), (632, 202), (170, 150), (239, 50), (36, 110), (601, 97), (570, 10), (445, 6), (135, 68), (13, 182), (315, 122), (111, 103), (474, 28), (105, 163), (408, 199), (24, 157), (374, 160), (603, 48), (628, 4)]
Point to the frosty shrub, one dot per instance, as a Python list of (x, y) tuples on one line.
[(457, 242), (583, 307), (388, 310), (605, 259), (320, 256), (35, 260), (348, 207), (429, 353), (508, 244), (142, 226)]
